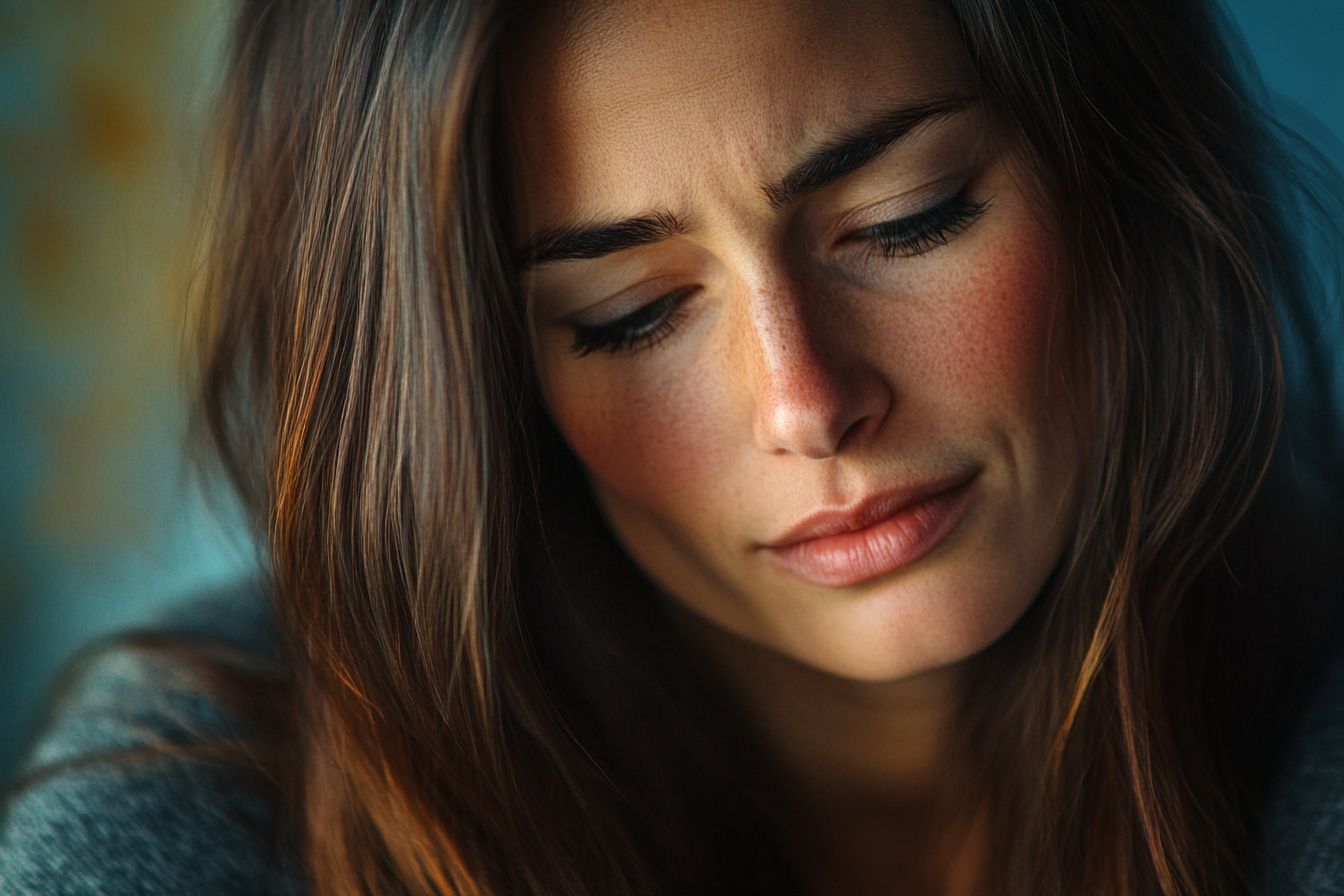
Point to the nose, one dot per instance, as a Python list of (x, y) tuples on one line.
[(815, 394)]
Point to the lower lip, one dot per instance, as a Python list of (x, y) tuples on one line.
[(852, 558)]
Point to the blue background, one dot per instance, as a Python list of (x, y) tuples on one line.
[(101, 111)]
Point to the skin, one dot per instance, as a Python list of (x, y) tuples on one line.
[(806, 371)]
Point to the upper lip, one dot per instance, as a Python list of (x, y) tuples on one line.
[(865, 512)]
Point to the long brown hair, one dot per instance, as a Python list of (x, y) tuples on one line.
[(492, 699)]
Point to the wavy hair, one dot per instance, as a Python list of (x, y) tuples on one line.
[(492, 699)]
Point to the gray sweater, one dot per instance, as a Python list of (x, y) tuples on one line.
[(111, 823), (154, 825)]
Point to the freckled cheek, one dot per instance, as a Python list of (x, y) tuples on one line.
[(658, 433), (987, 339)]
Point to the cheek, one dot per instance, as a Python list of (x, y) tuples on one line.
[(987, 339), (658, 433)]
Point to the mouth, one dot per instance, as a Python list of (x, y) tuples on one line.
[(884, 533)]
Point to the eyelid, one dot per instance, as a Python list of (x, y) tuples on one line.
[(625, 302), (914, 202), (642, 328)]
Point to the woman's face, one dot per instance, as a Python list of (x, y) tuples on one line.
[(798, 311)]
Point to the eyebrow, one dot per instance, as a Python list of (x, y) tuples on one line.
[(849, 153), (853, 150), (597, 240)]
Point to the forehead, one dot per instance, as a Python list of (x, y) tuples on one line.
[(629, 104)]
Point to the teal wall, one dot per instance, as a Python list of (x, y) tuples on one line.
[(101, 105), (101, 110), (1299, 46)]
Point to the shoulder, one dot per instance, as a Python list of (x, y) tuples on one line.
[(1304, 828), (105, 805)]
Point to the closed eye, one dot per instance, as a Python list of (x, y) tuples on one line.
[(923, 231), (642, 328)]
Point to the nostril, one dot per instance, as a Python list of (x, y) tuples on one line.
[(857, 432)]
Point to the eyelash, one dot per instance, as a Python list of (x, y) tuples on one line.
[(923, 231), (640, 329), (906, 237)]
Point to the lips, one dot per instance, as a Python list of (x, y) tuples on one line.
[(841, 548)]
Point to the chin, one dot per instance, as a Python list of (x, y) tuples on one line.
[(896, 630), (913, 649)]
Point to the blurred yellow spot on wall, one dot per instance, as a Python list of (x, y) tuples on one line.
[(114, 131), (100, 149)]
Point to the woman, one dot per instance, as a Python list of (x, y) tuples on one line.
[(733, 447)]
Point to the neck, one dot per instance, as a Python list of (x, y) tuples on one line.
[(870, 761)]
